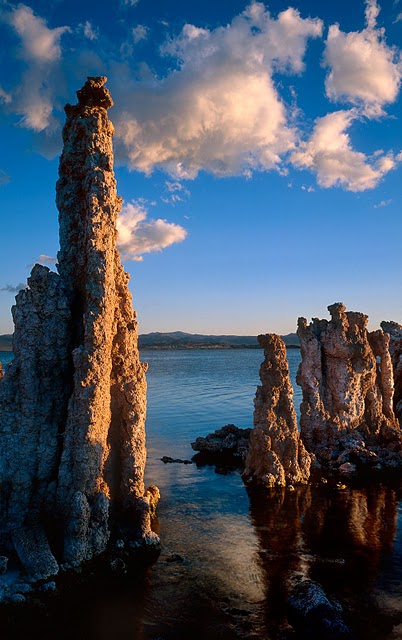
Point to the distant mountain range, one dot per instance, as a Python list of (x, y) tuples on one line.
[(181, 340)]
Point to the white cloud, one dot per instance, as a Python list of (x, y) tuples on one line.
[(371, 13), (398, 17), (40, 48), (329, 153), (220, 110), (364, 70), (139, 33), (89, 31), (383, 203), (39, 43), (137, 236)]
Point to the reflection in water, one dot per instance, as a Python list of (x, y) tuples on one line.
[(341, 539)]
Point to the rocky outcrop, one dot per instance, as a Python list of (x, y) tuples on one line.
[(346, 377), (276, 455), (314, 614), (228, 445), (73, 402), (395, 348)]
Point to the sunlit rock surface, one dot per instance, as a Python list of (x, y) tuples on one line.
[(276, 455), (346, 376), (395, 347), (73, 402)]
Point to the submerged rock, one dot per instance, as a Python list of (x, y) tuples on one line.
[(315, 615), (347, 381), (276, 455), (73, 401)]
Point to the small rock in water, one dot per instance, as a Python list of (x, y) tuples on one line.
[(313, 614), (227, 439), (17, 598), (175, 557), (3, 564), (118, 566), (167, 459), (347, 469)]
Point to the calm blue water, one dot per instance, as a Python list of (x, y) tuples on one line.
[(228, 558)]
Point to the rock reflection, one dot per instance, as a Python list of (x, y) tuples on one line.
[(277, 518), (339, 538)]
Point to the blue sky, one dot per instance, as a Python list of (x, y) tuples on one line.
[(258, 153)]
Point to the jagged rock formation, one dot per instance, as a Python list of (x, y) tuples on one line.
[(227, 446), (276, 455), (346, 377), (395, 348), (73, 402)]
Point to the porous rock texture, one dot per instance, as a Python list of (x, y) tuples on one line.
[(276, 455), (346, 377), (73, 401), (226, 445), (395, 348)]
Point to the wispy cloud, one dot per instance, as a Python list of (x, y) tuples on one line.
[(4, 96), (40, 49), (137, 235), (10, 288), (44, 259), (383, 203), (89, 31), (139, 33), (4, 178), (176, 192)]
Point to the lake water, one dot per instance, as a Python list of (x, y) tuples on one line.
[(228, 557)]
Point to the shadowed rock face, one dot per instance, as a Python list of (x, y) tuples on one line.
[(73, 402), (395, 348), (276, 455), (347, 382)]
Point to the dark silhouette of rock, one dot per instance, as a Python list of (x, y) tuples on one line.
[(314, 614), (347, 382), (73, 401), (168, 459), (276, 455), (226, 445)]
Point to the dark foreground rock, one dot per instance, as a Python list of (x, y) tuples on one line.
[(315, 615), (169, 460), (225, 446)]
